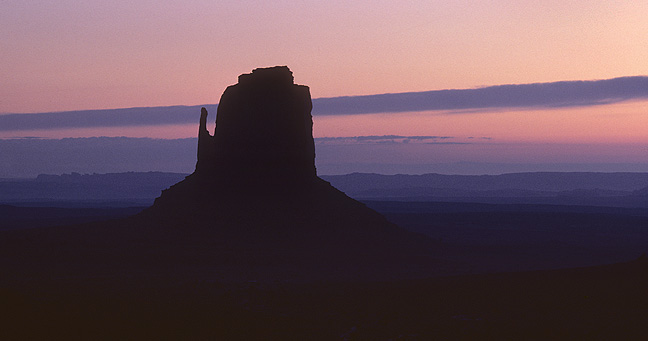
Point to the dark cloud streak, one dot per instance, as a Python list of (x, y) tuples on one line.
[(374, 139), (538, 95), (130, 117)]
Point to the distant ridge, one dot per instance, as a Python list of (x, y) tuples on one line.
[(141, 187), (601, 189), (589, 189), (355, 183)]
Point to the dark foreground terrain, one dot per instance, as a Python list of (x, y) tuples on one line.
[(606, 302), (476, 237), (499, 290)]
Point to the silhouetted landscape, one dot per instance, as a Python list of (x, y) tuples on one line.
[(255, 245), (587, 189)]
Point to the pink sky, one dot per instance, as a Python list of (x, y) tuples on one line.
[(625, 122), (75, 55), (72, 55)]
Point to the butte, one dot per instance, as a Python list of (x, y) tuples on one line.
[(254, 209)]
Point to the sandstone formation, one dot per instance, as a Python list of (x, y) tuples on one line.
[(263, 129), (262, 143), (254, 209)]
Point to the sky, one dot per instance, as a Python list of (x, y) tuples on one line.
[(85, 55)]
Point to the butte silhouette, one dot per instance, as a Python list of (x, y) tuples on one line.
[(254, 209)]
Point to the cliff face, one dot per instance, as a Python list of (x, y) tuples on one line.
[(262, 149), (263, 130)]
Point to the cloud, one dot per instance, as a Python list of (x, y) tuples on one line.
[(538, 95), (381, 139), (105, 118)]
